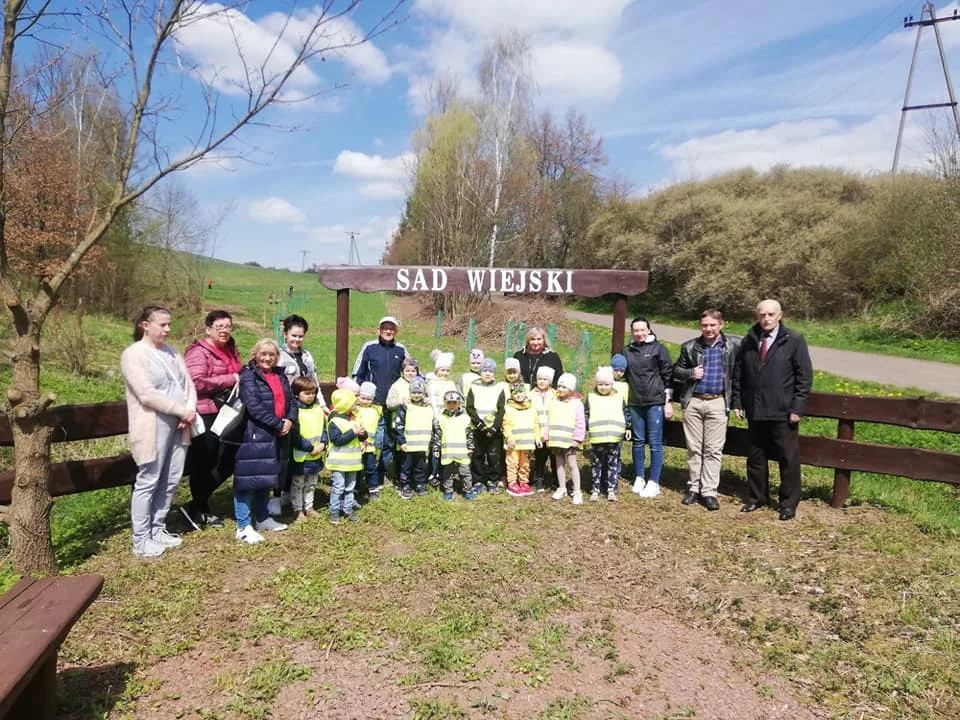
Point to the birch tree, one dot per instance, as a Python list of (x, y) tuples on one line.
[(143, 38), (505, 83)]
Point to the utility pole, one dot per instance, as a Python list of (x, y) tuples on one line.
[(303, 261), (933, 21), (354, 250)]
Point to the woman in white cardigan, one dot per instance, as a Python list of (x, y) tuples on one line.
[(162, 407)]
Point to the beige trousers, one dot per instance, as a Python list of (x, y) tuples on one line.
[(705, 430)]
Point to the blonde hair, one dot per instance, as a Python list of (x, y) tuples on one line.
[(261, 344), (534, 332)]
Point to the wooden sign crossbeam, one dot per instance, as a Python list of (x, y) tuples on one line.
[(479, 281)]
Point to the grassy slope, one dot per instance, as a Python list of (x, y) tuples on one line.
[(855, 587)]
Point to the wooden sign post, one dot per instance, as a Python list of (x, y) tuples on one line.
[(478, 281)]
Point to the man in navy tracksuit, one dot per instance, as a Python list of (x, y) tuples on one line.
[(380, 361)]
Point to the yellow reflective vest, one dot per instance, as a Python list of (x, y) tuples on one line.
[(521, 425), (346, 458), (466, 380), (453, 439), (369, 417), (485, 399), (541, 402), (606, 423), (311, 421), (562, 417), (418, 427), (622, 387)]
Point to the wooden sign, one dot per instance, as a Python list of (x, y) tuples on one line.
[(520, 281)]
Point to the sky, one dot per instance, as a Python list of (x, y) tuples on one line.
[(678, 90)]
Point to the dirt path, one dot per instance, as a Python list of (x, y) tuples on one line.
[(924, 375)]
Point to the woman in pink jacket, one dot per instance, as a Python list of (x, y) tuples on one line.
[(161, 408), (214, 365)]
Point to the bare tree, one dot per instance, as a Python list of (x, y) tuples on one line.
[(144, 38), (505, 81)]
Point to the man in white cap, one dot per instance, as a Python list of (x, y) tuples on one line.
[(380, 361)]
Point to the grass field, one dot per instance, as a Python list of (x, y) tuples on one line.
[(511, 608)]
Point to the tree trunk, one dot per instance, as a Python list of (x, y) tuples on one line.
[(31, 547)]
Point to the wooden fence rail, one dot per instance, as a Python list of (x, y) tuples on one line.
[(844, 454)]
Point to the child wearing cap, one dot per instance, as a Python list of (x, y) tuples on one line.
[(607, 419), (540, 397), (619, 364), (453, 435), (309, 440), (414, 428), (521, 436), (370, 415), (345, 458), (473, 374), (485, 406), (439, 384), (391, 460), (566, 430)]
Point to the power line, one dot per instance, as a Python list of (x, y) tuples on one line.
[(932, 21)]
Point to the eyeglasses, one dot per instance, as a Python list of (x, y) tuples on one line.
[(222, 328)]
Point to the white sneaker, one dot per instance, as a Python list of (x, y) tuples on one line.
[(275, 506), (638, 483), (167, 539), (578, 498), (270, 525), (248, 535), (560, 493), (651, 489), (148, 547), (612, 496), (595, 496)]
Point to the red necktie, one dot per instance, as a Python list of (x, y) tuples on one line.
[(763, 348)]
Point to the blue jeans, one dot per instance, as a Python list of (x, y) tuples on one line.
[(242, 502), (370, 472), (647, 427), (342, 485)]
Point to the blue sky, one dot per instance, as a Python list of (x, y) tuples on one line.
[(678, 89)]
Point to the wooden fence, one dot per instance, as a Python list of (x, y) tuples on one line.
[(843, 453)]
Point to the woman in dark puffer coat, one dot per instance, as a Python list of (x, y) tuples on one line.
[(270, 415)]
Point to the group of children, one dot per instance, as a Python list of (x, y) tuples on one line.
[(481, 433)]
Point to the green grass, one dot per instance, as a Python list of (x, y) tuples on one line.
[(862, 334)]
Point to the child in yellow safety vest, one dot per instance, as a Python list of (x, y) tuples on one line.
[(485, 405), (453, 434), (470, 376), (309, 441), (566, 430), (619, 364), (541, 396), (345, 458), (521, 436), (439, 383), (370, 415), (608, 421), (413, 428)]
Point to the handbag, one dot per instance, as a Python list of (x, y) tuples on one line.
[(198, 427), (230, 414)]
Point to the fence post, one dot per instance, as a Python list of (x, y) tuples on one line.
[(552, 334), (583, 357), (436, 333), (508, 342), (841, 476), (521, 343), (471, 334)]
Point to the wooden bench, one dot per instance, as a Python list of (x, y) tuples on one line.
[(35, 617)]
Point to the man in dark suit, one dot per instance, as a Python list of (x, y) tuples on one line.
[(771, 383)]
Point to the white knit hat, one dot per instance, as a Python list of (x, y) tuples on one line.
[(568, 380), (546, 373), (605, 374), (511, 363), (441, 359), (368, 389)]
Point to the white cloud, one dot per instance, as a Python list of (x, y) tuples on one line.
[(587, 72), (373, 167), (276, 211), (863, 147), (230, 51)]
